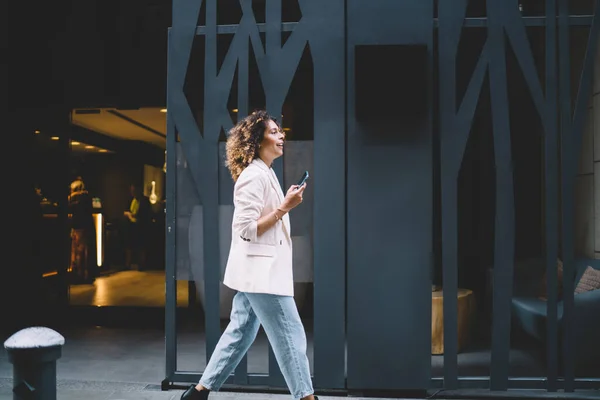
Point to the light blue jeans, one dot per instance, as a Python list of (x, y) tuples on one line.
[(279, 317)]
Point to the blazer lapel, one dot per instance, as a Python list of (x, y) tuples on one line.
[(275, 184), (277, 188)]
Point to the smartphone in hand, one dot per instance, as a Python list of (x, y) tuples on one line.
[(303, 179)]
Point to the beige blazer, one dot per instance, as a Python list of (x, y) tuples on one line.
[(259, 264)]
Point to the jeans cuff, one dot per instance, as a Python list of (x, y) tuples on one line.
[(304, 394), (207, 386)]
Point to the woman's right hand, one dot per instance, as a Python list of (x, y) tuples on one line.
[(293, 197)]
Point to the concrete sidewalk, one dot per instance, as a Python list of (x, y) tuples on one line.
[(99, 390), (88, 390), (104, 390), (123, 364)]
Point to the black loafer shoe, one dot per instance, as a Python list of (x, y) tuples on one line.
[(193, 394)]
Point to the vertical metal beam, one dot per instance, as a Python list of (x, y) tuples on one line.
[(551, 195), (451, 16), (505, 216), (274, 106), (568, 185), (389, 165), (273, 43), (455, 125), (450, 280), (209, 185), (64, 147), (243, 81), (546, 106), (585, 86), (170, 226), (241, 372), (273, 26), (328, 20), (180, 121)]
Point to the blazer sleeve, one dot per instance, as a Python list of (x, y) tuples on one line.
[(248, 199)]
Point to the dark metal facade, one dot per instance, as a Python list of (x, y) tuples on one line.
[(360, 335)]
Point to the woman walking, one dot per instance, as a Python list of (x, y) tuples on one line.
[(259, 267)]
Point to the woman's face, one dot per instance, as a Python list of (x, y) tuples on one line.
[(271, 146)]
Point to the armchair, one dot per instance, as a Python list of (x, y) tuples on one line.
[(529, 311)]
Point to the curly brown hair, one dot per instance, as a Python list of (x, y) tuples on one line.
[(243, 141)]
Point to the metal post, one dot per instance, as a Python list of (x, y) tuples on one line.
[(33, 353)]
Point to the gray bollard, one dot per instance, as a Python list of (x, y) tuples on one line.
[(33, 353)]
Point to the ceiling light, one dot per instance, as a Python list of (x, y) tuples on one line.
[(54, 138), (163, 110), (89, 147), (287, 129), (37, 132), (235, 110), (103, 150), (75, 143)]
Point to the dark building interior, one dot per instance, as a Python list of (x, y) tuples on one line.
[(87, 85)]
